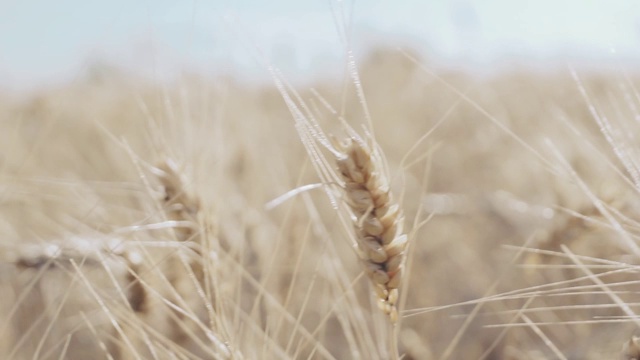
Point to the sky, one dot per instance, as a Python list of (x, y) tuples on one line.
[(43, 41)]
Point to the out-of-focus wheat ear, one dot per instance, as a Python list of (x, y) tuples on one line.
[(631, 349), (186, 271), (179, 204), (182, 206), (378, 221)]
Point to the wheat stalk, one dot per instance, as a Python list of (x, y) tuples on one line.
[(377, 219)]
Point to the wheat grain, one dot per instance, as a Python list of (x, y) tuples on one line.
[(378, 221)]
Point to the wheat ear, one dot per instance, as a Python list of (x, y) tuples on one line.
[(378, 220), (182, 206), (179, 204)]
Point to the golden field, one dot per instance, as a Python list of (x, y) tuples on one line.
[(135, 224)]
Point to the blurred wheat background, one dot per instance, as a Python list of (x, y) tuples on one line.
[(137, 218)]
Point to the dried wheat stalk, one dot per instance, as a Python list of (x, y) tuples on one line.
[(378, 221)]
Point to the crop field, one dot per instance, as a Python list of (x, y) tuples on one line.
[(404, 211)]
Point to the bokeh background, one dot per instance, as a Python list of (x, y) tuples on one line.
[(509, 127)]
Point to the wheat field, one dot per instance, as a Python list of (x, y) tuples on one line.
[(209, 219)]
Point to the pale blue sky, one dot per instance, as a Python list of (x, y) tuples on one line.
[(44, 41)]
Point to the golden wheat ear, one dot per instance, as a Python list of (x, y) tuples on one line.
[(179, 203), (378, 220)]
